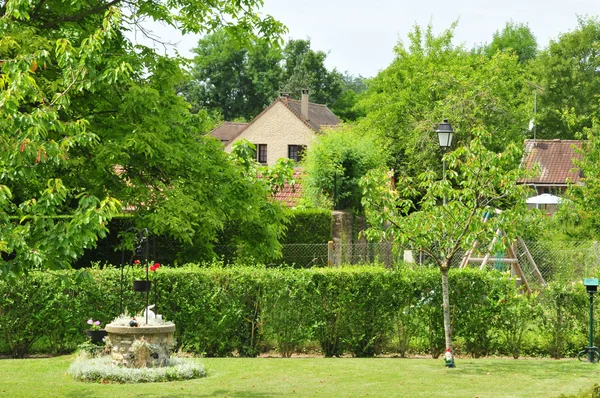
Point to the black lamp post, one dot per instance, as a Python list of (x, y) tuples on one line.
[(591, 286), (445, 134)]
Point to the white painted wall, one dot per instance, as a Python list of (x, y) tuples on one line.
[(278, 128)]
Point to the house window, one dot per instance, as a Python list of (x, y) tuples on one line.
[(296, 152), (262, 153)]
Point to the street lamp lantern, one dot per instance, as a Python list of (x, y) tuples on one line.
[(445, 134)]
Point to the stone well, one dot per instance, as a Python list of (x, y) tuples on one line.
[(141, 346)]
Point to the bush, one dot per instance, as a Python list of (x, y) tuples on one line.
[(245, 311), (308, 226), (563, 319)]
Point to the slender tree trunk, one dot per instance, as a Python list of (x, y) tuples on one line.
[(446, 305)]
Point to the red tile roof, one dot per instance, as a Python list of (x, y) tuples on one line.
[(555, 159), (290, 196)]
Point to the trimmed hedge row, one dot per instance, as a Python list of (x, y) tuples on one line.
[(363, 311), (308, 226)]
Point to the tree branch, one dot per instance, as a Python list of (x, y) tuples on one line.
[(36, 11), (461, 235)]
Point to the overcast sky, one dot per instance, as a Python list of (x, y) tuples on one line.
[(359, 35)]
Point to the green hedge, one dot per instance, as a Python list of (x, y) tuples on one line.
[(363, 311), (308, 226)]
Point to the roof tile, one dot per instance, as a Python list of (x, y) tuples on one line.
[(290, 196), (555, 158)]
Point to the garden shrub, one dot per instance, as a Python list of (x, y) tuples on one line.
[(476, 297), (428, 309), (288, 311), (513, 319), (563, 318), (243, 310), (217, 310), (329, 310), (308, 226), (411, 322), (374, 302)]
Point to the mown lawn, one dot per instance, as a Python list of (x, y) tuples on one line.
[(319, 377)]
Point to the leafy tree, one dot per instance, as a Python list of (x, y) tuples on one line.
[(236, 79), (478, 182), (239, 79), (305, 68), (583, 209), (569, 73), (431, 79), (346, 105), (515, 37), (89, 122), (334, 165)]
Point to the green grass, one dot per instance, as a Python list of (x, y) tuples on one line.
[(319, 377)]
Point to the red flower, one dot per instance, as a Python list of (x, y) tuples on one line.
[(154, 267), (136, 262)]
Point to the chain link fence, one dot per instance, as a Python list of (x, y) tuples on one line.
[(566, 261), (562, 260)]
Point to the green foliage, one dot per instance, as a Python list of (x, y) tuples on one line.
[(478, 182), (369, 325), (515, 37), (236, 79), (513, 319), (582, 211), (288, 310), (564, 308), (308, 226), (567, 72), (96, 124), (246, 310), (334, 165), (346, 106), (305, 68), (239, 79), (430, 80)]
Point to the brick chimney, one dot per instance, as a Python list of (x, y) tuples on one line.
[(304, 104)]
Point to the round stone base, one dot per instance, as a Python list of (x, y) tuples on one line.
[(141, 346)]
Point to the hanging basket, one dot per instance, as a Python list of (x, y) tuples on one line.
[(142, 286), (96, 335)]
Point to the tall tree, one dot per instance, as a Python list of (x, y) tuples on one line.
[(478, 182), (88, 122), (305, 68), (583, 209), (568, 72), (346, 106), (239, 79), (431, 79), (236, 79), (515, 37)]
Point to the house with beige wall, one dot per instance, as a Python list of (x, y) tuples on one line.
[(283, 130)]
